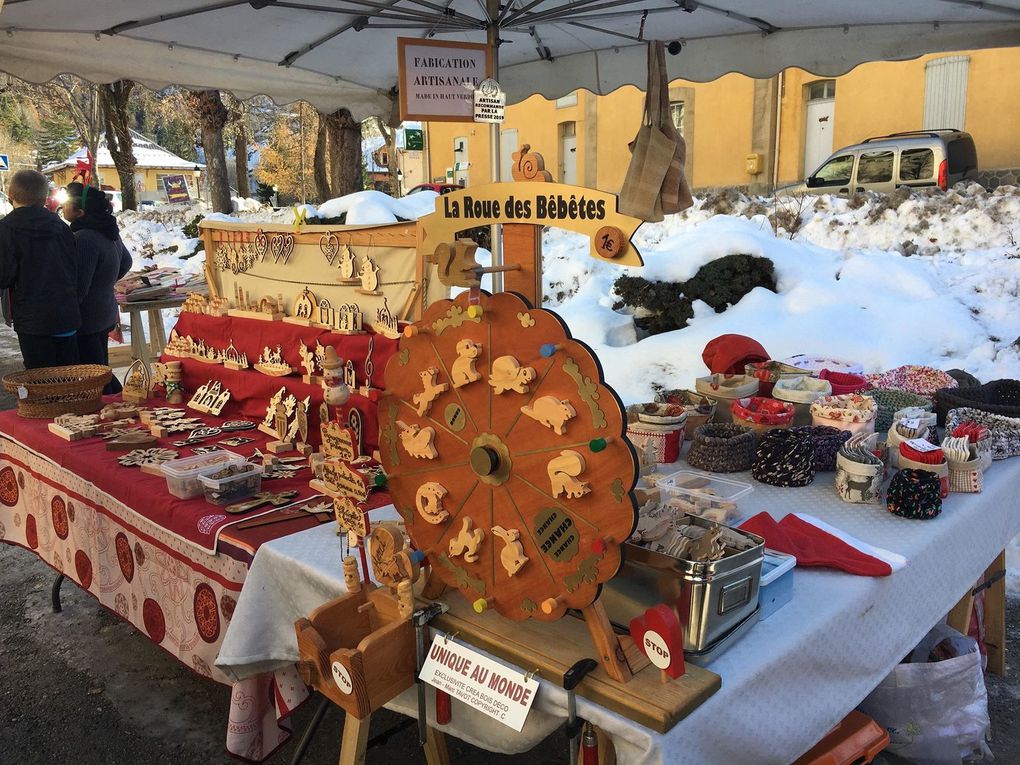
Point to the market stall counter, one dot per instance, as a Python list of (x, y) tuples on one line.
[(785, 684), (171, 567)]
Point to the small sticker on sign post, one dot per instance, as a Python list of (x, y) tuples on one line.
[(502, 693), (490, 102)]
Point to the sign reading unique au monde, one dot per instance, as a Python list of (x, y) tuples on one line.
[(575, 208), (438, 78)]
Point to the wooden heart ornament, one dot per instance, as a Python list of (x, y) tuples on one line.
[(282, 246), (659, 636), (261, 244), (329, 243)]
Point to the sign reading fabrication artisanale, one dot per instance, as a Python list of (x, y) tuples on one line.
[(438, 78), (487, 686)]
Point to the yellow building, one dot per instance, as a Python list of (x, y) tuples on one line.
[(153, 163), (737, 127)]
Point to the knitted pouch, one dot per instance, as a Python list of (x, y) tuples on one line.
[(826, 442), (913, 378), (914, 494), (891, 400), (784, 458), (940, 470), (1004, 432), (722, 448), (843, 382)]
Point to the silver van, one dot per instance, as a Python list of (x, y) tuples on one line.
[(917, 159)]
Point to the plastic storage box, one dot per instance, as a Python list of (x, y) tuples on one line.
[(703, 495), (776, 587), (232, 488), (182, 474)]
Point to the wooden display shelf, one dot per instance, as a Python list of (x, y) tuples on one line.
[(553, 647)]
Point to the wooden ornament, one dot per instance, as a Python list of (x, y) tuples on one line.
[(551, 412), (234, 359), (512, 556), (463, 371), (307, 356), (118, 412), (431, 391), (304, 309), (74, 427), (385, 323), (349, 320), (529, 165), (349, 516), (428, 500), (142, 457), (368, 273), (466, 542), (417, 440), (262, 498), (128, 441), (271, 363), (137, 382), (391, 563), (210, 398), (658, 634), (563, 472), (352, 577), (455, 263), (347, 266), (281, 426), (508, 374), (266, 426)]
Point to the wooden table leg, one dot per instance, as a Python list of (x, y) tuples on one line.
[(435, 747), (959, 617), (995, 617), (607, 752), (355, 740), (139, 346), (157, 332)]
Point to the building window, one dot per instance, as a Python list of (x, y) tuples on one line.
[(818, 91), (676, 113), (566, 101)]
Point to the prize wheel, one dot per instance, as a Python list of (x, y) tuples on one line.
[(505, 454)]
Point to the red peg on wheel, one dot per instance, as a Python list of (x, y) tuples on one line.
[(601, 545)]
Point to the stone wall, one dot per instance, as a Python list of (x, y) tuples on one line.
[(991, 179)]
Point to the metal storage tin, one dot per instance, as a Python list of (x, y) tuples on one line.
[(711, 598)]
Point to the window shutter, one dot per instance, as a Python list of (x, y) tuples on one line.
[(945, 92)]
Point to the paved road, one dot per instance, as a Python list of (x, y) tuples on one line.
[(85, 687)]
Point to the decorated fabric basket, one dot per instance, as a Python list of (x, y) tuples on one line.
[(997, 397), (913, 378), (726, 388), (801, 391), (852, 411), (784, 458), (674, 415), (826, 442), (661, 442), (722, 448), (966, 477), (843, 382), (859, 478), (49, 392), (761, 414), (768, 373), (1003, 432), (700, 409), (891, 400), (905, 429)]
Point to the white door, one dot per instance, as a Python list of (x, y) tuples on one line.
[(507, 147), (568, 154), (818, 133)]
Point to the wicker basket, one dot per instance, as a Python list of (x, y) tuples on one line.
[(997, 397), (52, 391)]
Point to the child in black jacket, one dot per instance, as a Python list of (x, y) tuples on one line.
[(37, 264)]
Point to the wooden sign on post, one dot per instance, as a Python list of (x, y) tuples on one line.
[(339, 441)]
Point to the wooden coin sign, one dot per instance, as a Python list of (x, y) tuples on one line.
[(505, 456), (338, 441)]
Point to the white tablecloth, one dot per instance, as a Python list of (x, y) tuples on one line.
[(784, 685)]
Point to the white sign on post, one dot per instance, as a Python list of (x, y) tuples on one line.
[(438, 77), (502, 693), (490, 102)]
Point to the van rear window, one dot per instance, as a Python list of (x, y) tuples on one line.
[(917, 164), (962, 155)]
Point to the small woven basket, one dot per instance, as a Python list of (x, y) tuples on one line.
[(997, 397), (722, 448), (826, 442), (891, 400), (49, 392)]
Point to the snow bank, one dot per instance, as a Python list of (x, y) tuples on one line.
[(374, 207)]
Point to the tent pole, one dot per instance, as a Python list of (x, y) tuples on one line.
[(495, 232)]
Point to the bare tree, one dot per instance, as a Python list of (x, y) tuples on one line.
[(320, 171), (212, 115), (344, 152), (114, 100), (77, 100), (389, 135), (239, 122)]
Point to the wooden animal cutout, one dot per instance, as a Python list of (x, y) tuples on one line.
[(391, 563), (507, 374), (529, 166), (429, 502), (467, 542), (512, 555), (463, 371), (551, 412), (307, 359), (417, 441), (563, 472), (456, 265), (432, 390)]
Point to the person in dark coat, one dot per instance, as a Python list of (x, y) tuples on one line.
[(102, 260), (38, 266)]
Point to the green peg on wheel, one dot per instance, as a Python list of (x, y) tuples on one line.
[(598, 444), (379, 481)]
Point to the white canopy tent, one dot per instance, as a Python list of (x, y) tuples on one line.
[(336, 53)]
